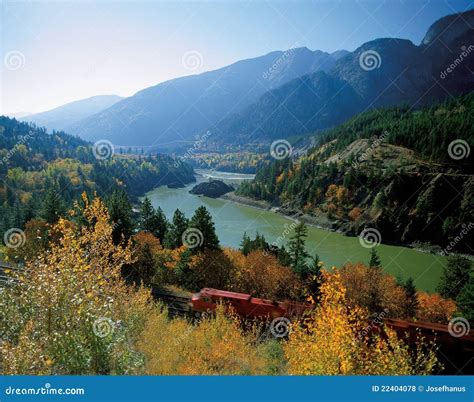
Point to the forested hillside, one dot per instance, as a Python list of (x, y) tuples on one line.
[(41, 174), (407, 173)]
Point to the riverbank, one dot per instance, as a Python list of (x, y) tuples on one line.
[(323, 222), (234, 215)]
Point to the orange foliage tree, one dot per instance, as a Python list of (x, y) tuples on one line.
[(261, 274), (373, 289), (434, 308)]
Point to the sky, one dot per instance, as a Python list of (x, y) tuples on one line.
[(55, 52)]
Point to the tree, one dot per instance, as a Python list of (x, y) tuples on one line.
[(245, 244), (153, 221), (455, 276), (161, 224), (334, 339), (202, 221), (412, 298), (433, 308), (72, 299), (174, 234), (53, 205), (297, 251), (374, 259), (120, 212), (147, 215), (465, 300)]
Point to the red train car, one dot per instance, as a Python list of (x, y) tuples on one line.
[(244, 304)]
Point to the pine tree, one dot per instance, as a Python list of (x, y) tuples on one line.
[(147, 214), (202, 221), (153, 221), (465, 300), (455, 275), (374, 259), (120, 212), (53, 205), (412, 297), (296, 249), (245, 244), (173, 237), (161, 224)]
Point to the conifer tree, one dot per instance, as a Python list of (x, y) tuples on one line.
[(412, 297), (296, 249), (202, 221), (173, 237)]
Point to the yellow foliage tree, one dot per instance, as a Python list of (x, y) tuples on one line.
[(333, 340), (214, 345), (69, 311)]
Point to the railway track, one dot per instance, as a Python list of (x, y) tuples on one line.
[(176, 305)]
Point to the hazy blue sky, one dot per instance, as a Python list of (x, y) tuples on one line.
[(73, 50)]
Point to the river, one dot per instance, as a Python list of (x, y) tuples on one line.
[(232, 220)]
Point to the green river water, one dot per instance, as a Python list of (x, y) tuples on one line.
[(232, 220)]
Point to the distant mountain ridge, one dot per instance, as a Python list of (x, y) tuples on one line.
[(290, 93), (177, 110), (401, 72), (63, 117)]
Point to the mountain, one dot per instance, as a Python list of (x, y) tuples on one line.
[(379, 73), (63, 117), (173, 112), (406, 173)]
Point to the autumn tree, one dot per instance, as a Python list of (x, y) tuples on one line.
[(334, 340), (69, 311), (434, 308), (373, 289)]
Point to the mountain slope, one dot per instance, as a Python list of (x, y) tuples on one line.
[(401, 72), (63, 117), (406, 173), (173, 112)]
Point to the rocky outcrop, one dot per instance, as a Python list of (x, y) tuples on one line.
[(212, 189)]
